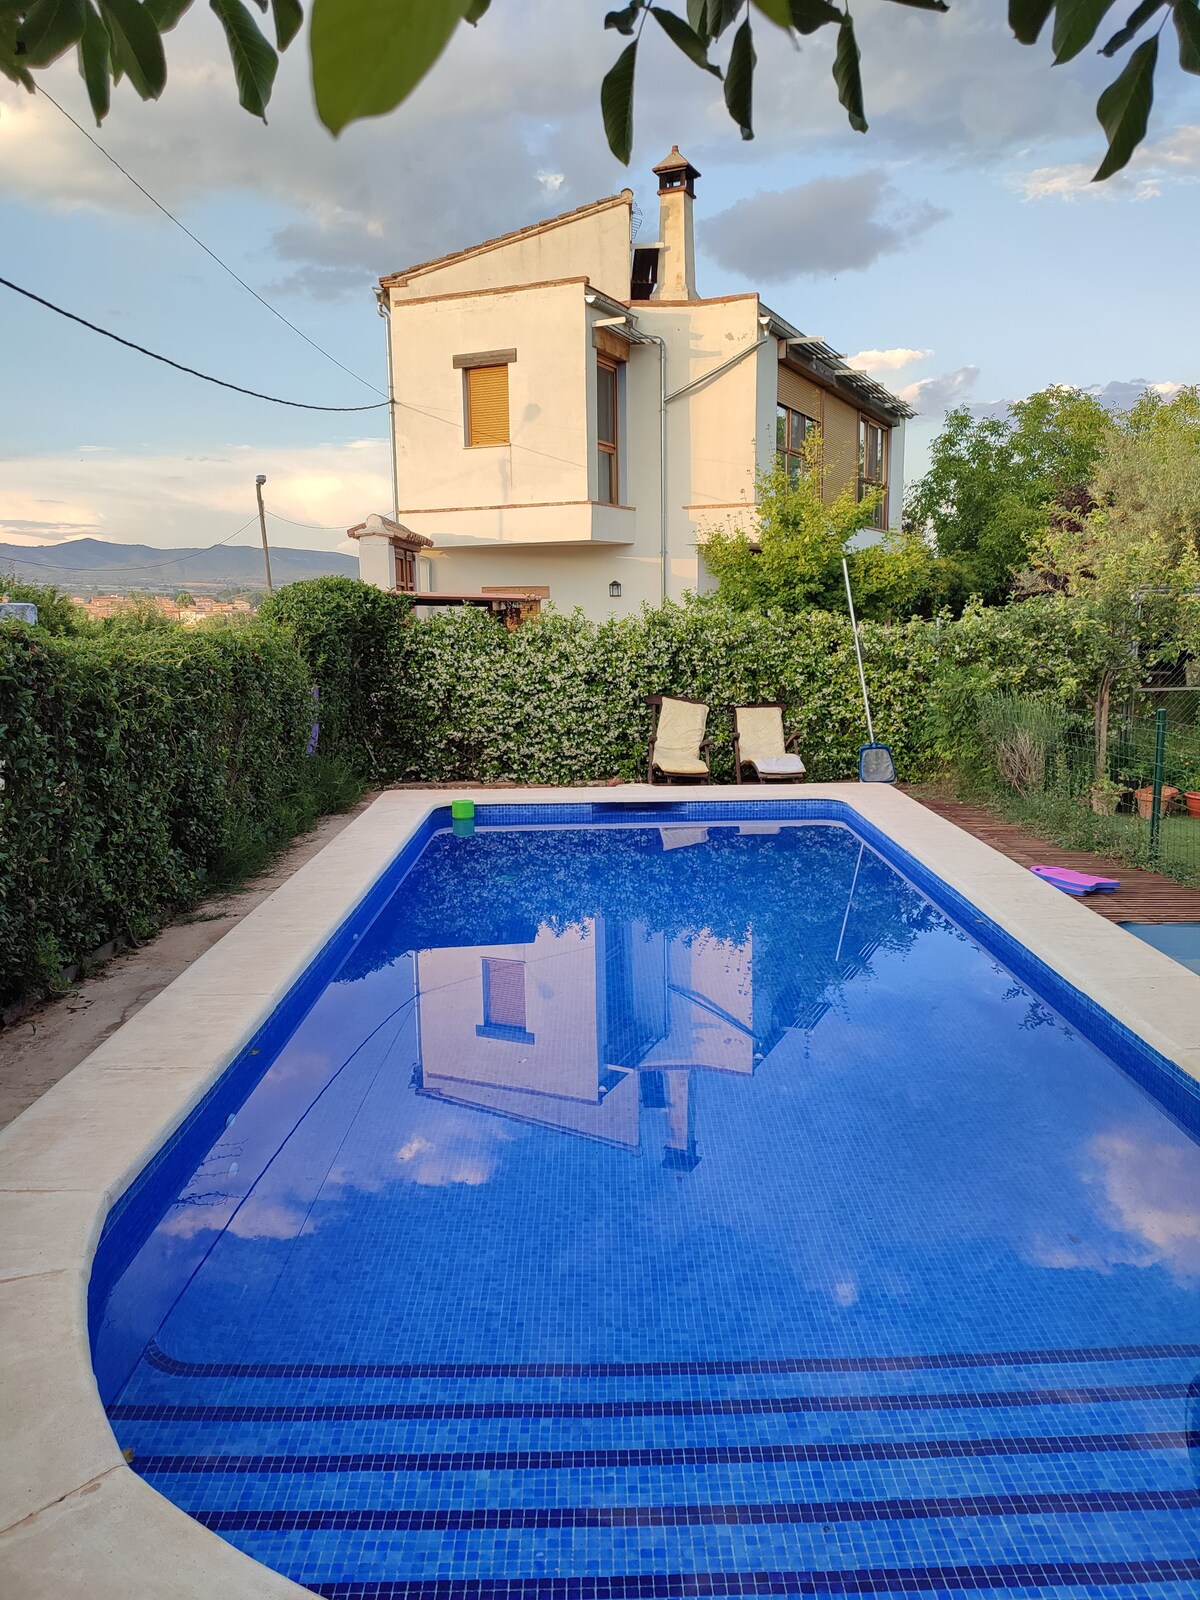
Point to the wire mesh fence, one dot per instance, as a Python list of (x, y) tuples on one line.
[(1137, 797)]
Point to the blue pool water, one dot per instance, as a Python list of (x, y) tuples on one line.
[(625, 1211)]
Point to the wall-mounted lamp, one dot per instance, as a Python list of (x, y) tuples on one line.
[(614, 590)]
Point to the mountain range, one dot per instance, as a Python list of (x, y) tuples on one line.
[(98, 565)]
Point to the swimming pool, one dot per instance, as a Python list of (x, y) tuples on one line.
[(686, 1203)]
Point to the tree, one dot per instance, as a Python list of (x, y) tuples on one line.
[(995, 483), (794, 561), (1148, 478), (1129, 574), (183, 599), (57, 612), (368, 55)]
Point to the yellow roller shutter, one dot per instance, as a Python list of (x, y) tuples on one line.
[(487, 405)]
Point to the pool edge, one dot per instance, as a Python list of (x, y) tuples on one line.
[(73, 1517)]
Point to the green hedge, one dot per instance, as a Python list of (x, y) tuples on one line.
[(562, 699), (141, 766), (136, 767)]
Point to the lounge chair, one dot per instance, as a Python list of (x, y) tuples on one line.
[(678, 751), (759, 744)]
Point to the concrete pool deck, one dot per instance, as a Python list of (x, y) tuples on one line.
[(74, 1519)]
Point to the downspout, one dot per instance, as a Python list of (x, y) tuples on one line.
[(384, 308)]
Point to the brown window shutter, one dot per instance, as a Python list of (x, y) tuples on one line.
[(487, 405)]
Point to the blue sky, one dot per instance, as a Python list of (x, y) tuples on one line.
[(958, 240)]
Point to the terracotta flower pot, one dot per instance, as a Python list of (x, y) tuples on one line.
[(1145, 799), (1193, 802)]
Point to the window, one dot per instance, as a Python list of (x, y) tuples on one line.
[(486, 390), (792, 428), (608, 480), (872, 466), (406, 571), (504, 1001)]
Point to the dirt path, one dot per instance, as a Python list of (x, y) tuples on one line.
[(47, 1043)]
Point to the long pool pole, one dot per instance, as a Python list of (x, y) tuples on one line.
[(862, 677)]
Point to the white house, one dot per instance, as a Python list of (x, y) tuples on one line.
[(571, 417)]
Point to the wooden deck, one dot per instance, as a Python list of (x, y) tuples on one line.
[(1142, 897)]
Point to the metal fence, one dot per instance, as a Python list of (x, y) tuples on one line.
[(1140, 800)]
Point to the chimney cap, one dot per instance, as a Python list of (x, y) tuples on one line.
[(675, 171)]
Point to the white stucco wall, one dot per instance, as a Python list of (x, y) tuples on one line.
[(594, 245)]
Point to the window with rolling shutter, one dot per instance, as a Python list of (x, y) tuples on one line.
[(486, 404)]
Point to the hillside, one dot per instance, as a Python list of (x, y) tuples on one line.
[(97, 564)]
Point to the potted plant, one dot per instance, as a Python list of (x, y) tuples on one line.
[(1145, 799), (1105, 797), (1191, 794)]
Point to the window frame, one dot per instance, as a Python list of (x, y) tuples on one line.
[(788, 454), (885, 461), (606, 447)]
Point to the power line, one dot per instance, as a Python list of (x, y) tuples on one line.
[(224, 265), (142, 566), (221, 383), (320, 527)]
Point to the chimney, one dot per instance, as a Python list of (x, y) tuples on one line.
[(677, 258)]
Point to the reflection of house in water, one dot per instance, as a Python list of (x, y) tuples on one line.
[(594, 1030)]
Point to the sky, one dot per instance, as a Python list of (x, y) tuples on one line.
[(956, 251)]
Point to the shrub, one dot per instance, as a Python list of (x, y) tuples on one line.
[(347, 633), (133, 764)]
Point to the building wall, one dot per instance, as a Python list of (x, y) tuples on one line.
[(713, 432), (595, 246)]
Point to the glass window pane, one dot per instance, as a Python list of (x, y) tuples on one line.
[(799, 429), (606, 404), (781, 427), (606, 487)]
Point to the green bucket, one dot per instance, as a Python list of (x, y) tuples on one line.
[(462, 810)]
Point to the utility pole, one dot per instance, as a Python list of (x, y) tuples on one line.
[(262, 522)]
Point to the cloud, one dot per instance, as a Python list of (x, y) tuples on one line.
[(874, 361), (929, 395), (817, 229), (1155, 166), (1120, 394), (194, 500)]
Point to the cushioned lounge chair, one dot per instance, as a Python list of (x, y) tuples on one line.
[(759, 745), (679, 752)]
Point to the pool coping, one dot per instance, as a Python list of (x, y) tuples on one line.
[(74, 1518)]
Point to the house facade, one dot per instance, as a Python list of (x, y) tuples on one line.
[(571, 417)]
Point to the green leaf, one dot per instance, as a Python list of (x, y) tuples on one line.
[(254, 61), (616, 103), (369, 55), (9, 59), (1027, 18), (625, 20), (95, 64), (136, 46), (924, 5), (809, 15), (49, 28), (847, 76), (1187, 26), (739, 79), (779, 11), (697, 11), (164, 14), (475, 10), (1138, 18), (680, 34), (1075, 24), (722, 14), (1124, 108), (287, 16)]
